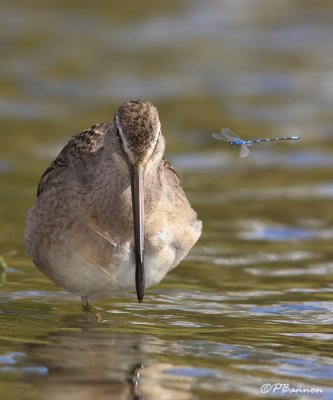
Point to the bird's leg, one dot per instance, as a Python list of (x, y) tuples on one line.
[(87, 310), (85, 304)]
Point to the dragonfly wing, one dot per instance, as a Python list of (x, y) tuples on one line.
[(226, 135), (244, 151), (219, 136), (229, 135)]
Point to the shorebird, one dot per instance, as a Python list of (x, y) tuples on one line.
[(111, 215)]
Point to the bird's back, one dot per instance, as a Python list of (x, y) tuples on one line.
[(84, 148)]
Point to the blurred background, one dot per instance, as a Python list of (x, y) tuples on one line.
[(252, 303)]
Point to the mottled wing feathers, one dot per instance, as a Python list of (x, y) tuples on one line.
[(81, 145), (172, 172)]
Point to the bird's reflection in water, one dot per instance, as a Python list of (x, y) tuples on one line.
[(134, 380), (89, 360)]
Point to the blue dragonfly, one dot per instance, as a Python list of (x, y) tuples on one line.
[(231, 138)]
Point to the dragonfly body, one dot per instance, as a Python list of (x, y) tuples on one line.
[(249, 142), (231, 138)]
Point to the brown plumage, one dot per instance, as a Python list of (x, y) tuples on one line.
[(111, 214)]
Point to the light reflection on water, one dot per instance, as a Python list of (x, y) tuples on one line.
[(252, 303), (225, 159), (200, 49)]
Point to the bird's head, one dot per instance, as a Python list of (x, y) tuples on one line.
[(138, 130)]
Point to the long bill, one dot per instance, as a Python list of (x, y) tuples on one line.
[(138, 220)]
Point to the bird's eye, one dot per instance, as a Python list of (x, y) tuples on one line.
[(118, 135)]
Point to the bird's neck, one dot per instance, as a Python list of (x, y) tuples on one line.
[(111, 194)]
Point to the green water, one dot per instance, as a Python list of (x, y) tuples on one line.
[(252, 303)]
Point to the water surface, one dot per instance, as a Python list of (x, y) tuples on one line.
[(252, 302)]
